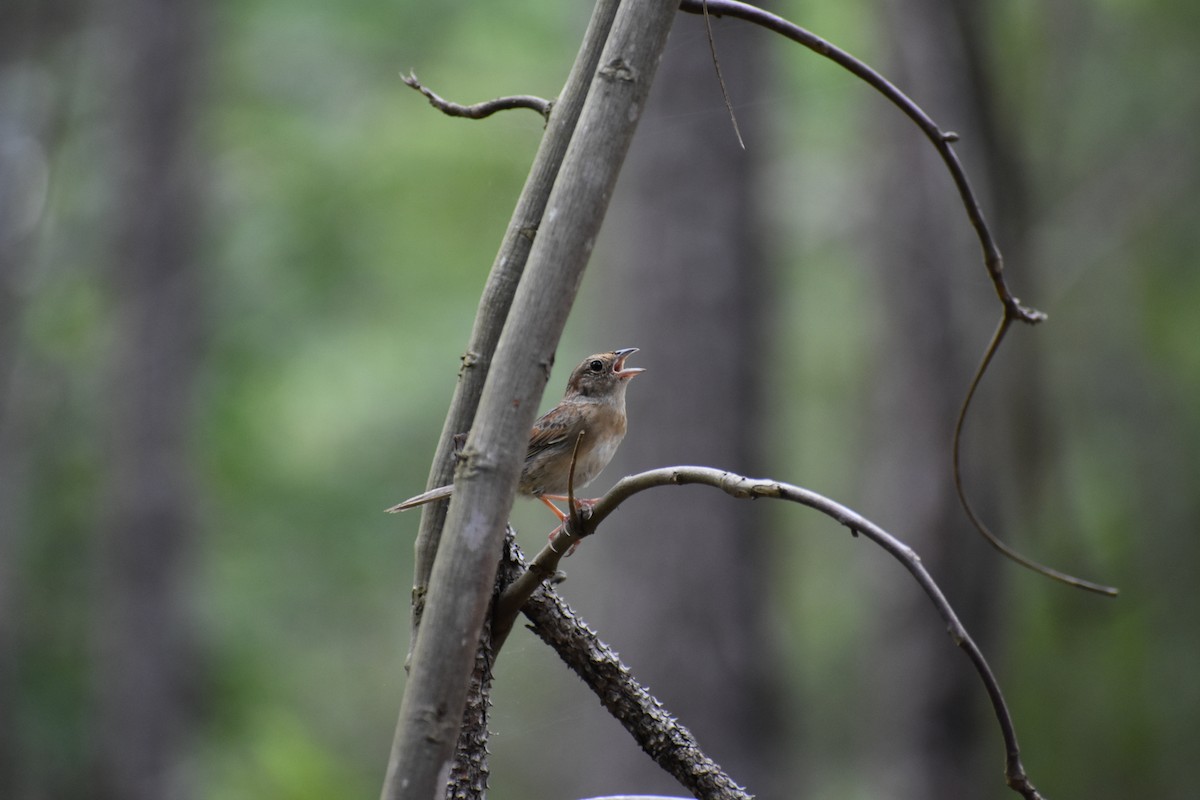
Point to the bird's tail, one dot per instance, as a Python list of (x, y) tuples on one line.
[(439, 493)]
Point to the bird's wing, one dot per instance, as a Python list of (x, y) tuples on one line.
[(550, 430)]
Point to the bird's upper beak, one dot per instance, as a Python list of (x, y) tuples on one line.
[(619, 365)]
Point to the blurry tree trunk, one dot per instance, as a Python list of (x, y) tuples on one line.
[(14, 245), (683, 596), (147, 672), (31, 35), (937, 313)]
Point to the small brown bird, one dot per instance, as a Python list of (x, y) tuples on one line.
[(594, 404)]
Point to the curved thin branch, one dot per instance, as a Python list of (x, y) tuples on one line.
[(941, 140), (993, 260), (480, 110), (574, 509), (741, 487), (984, 531)]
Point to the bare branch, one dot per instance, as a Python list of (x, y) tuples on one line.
[(575, 523), (480, 110), (525, 586), (993, 260), (941, 140)]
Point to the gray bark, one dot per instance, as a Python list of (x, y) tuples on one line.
[(463, 573), (502, 283)]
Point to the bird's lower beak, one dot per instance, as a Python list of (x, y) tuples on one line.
[(619, 365)]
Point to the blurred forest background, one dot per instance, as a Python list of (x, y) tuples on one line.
[(239, 261)]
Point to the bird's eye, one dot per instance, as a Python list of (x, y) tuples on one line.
[(596, 366)]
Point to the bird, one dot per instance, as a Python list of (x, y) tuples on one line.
[(594, 405)]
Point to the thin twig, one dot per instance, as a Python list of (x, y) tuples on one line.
[(984, 531), (712, 48), (524, 587), (574, 511), (480, 110)]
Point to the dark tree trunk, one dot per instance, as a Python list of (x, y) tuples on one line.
[(937, 312), (148, 672), (683, 594)]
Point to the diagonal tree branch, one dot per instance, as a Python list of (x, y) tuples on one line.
[(466, 563), (494, 304), (660, 735)]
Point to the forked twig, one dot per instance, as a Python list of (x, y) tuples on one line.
[(739, 486), (480, 110)]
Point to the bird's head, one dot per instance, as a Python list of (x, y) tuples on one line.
[(603, 374)]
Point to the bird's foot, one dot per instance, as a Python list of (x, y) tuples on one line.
[(554, 533), (584, 504)]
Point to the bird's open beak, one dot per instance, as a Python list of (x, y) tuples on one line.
[(619, 365)]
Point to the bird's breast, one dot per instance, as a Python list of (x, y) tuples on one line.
[(600, 443)]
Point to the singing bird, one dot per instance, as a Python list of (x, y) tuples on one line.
[(594, 404)]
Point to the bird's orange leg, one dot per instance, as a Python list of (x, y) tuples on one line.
[(580, 502), (557, 511)]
